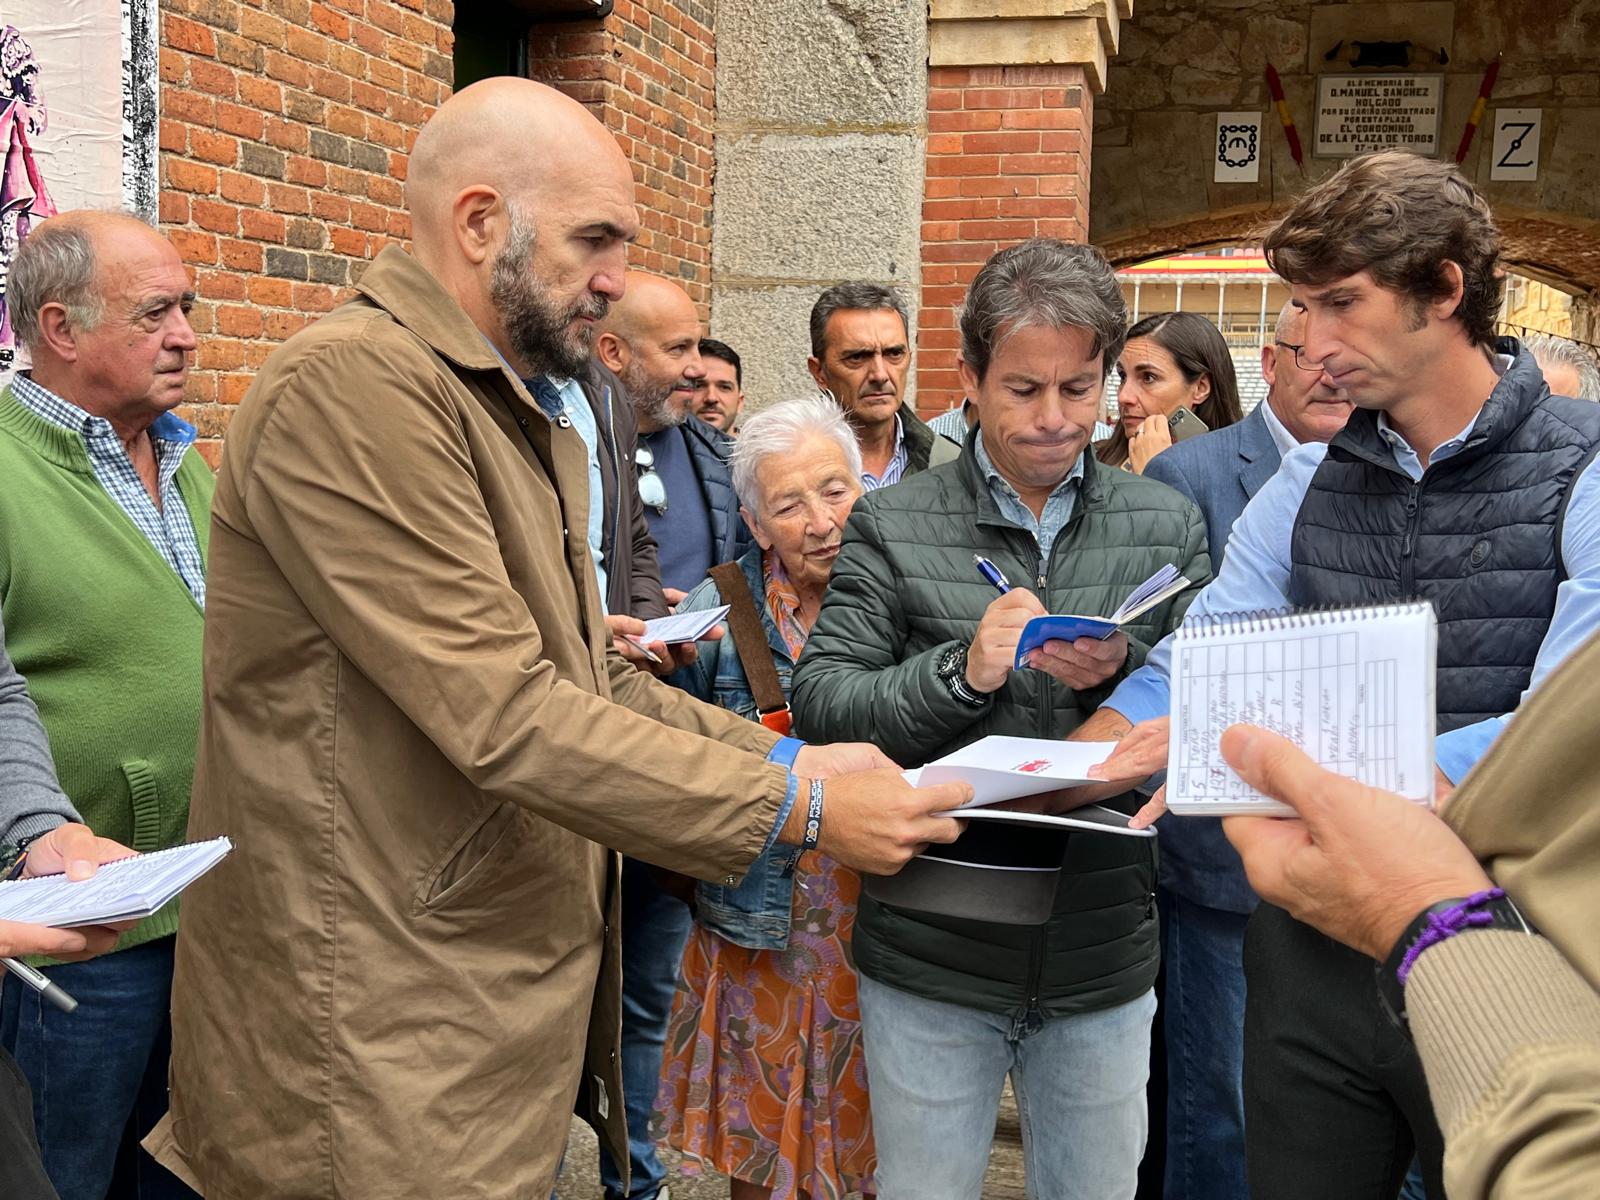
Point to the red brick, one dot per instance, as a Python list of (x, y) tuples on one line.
[(240, 121), (213, 147), (243, 189), (173, 137), (190, 176), (262, 226), (194, 247), (184, 105), (239, 320), (1011, 142), (242, 256), (207, 76), (222, 285), (260, 93), (1040, 164), (961, 121), (215, 216), (261, 27), (970, 164), (276, 293), (1000, 98), (187, 35), (234, 388)]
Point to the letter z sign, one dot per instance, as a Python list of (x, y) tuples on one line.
[(1514, 153)]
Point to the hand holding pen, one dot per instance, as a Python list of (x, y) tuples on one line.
[(994, 646), (74, 850)]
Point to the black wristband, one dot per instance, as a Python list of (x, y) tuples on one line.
[(813, 829)]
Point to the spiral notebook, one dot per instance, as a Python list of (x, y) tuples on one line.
[(1354, 688), (127, 889)]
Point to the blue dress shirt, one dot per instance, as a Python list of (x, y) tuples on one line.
[(1255, 576)]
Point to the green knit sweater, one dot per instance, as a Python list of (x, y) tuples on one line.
[(106, 634)]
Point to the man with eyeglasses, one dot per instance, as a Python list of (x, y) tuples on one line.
[(1204, 900), (861, 356), (1458, 479), (651, 340)]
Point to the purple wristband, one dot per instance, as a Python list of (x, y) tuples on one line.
[(1447, 924)]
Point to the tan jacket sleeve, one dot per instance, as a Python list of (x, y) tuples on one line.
[(1509, 1036), (364, 486), (645, 694)]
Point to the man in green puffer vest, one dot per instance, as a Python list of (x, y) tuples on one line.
[(104, 517), (913, 651)]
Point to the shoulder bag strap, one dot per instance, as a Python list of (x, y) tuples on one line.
[(750, 642)]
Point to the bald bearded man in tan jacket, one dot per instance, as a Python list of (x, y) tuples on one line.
[(417, 730)]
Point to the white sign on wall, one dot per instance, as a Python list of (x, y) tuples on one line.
[(1515, 148), (1358, 113), (1237, 152)]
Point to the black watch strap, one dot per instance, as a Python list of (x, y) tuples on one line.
[(952, 671), (1492, 909)]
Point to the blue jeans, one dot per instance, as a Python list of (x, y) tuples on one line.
[(655, 927), (935, 1072), (99, 1075), (1203, 951)]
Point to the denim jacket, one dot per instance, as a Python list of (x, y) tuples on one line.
[(756, 913)]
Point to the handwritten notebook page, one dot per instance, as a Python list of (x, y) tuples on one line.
[(125, 890), (1353, 688)]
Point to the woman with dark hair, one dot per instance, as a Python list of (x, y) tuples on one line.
[(1169, 360)]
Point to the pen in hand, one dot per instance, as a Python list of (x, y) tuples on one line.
[(992, 574)]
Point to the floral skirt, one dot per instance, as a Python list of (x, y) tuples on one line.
[(764, 1078)]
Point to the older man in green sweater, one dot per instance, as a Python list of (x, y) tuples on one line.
[(103, 523)]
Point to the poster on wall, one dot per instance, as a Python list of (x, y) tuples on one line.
[(78, 117)]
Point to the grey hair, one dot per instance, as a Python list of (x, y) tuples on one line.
[(855, 294), (1552, 349), (54, 265), (1043, 281), (779, 429)]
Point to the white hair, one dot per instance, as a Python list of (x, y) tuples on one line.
[(779, 429), (1551, 349)]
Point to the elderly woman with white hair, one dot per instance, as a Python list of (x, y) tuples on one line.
[(764, 1078)]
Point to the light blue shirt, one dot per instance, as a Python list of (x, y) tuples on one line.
[(576, 405), (1058, 505), (167, 528), (897, 463), (1255, 576)]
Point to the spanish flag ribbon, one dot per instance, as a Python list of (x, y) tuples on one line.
[(1281, 103), (1479, 107)]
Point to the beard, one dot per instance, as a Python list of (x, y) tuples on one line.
[(541, 332), (652, 398)]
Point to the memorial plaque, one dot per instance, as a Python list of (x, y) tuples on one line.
[(1358, 113)]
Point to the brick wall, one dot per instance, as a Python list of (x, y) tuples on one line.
[(1008, 159), (646, 72), (285, 126)]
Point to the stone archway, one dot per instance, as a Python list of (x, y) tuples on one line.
[(1151, 190)]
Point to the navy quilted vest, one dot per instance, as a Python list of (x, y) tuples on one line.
[(1479, 535)]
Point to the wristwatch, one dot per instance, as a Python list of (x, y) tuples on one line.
[(1448, 918), (952, 672)]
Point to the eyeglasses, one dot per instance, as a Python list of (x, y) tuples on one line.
[(1299, 359), (651, 489)]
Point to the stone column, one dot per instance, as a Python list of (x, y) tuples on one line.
[(820, 130), (1010, 109)]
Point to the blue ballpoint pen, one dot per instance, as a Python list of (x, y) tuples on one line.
[(991, 573)]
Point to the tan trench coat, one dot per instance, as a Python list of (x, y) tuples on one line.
[(1518, 1105), (419, 738)]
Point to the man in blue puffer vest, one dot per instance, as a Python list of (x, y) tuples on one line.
[(1459, 479)]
